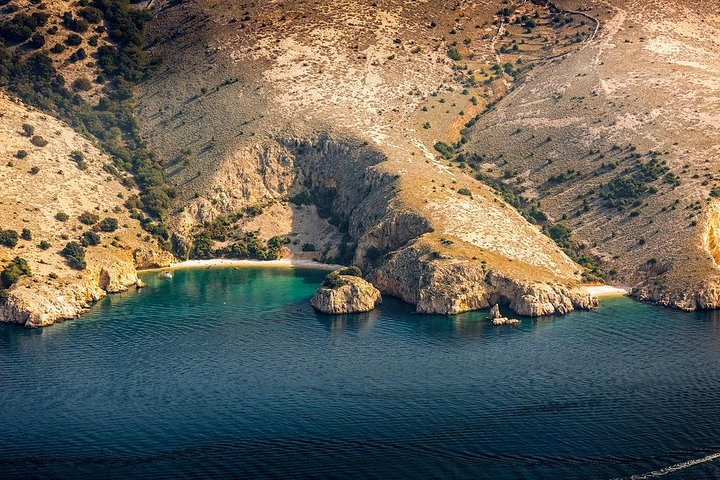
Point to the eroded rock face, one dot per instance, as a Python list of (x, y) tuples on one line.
[(37, 303), (707, 296), (450, 286), (355, 296)]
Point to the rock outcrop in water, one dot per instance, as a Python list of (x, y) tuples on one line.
[(346, 294), (497, 319)]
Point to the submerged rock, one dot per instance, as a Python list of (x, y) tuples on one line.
[(497, 319), (345, 294)]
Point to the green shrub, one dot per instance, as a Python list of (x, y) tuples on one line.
[(561, 234), (8, 238), (82, 84), (274, 246), (37, 41), (351, 271), (79, 159), (21, 154), (88, 218), (38, 141), (44, 245), (254, 210), (62, 217), (75, 255), (453, 53), (28, 130), (108, 224), (333, 280), (77, 55), (34, 170), (75, 24), (91, 14), (308, 247), (447, 151), (465, 191), (89, 239), (26, 234), (73, 40), (58, 48), (12, 273), (203, 247)]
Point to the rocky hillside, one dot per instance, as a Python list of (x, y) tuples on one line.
[(335, 109), (620, 141), (461, 153), (57, 192)]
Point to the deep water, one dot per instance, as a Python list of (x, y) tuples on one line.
[(228, 373)]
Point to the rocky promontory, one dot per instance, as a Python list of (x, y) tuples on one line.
[(344, 291)]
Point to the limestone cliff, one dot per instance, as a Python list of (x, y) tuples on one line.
[(439, 283)]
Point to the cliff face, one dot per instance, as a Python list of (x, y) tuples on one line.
[(440, 283), (354, 296), (45, 193)]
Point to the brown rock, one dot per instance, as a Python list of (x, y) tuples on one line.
[(354, 296)]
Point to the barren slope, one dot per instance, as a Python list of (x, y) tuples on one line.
[(47, 182), (623, 138), (338, 104)]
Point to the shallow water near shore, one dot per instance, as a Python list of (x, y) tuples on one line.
[(228, 373)]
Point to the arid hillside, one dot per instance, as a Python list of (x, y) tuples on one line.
[(621, 142), (334, 108), (56, 192), (462, 153)]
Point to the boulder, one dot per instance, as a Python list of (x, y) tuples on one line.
[(345, 294), (497, 319)]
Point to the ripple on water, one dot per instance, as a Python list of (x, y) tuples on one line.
[(230, 374)]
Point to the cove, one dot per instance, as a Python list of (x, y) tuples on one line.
[(229, 373)]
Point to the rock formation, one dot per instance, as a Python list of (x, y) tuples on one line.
[(348, 294), (497, 319)]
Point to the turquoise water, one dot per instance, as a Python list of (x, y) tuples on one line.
[(230, 374)]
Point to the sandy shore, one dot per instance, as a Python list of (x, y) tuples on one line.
[(607, 291), (223, 262)]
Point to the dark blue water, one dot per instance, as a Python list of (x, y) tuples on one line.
[(230, 374)]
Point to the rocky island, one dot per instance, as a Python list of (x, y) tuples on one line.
[(345, 291)]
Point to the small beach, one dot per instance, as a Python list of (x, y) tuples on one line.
[(607, 291), (224, 262)]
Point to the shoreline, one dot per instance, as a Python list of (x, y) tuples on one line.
[(225, 262), (607, 291)]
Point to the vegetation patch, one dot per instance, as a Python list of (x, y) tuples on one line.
[(12, 273), (74, 253)]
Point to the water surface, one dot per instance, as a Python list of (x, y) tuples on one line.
[(228, 373)]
